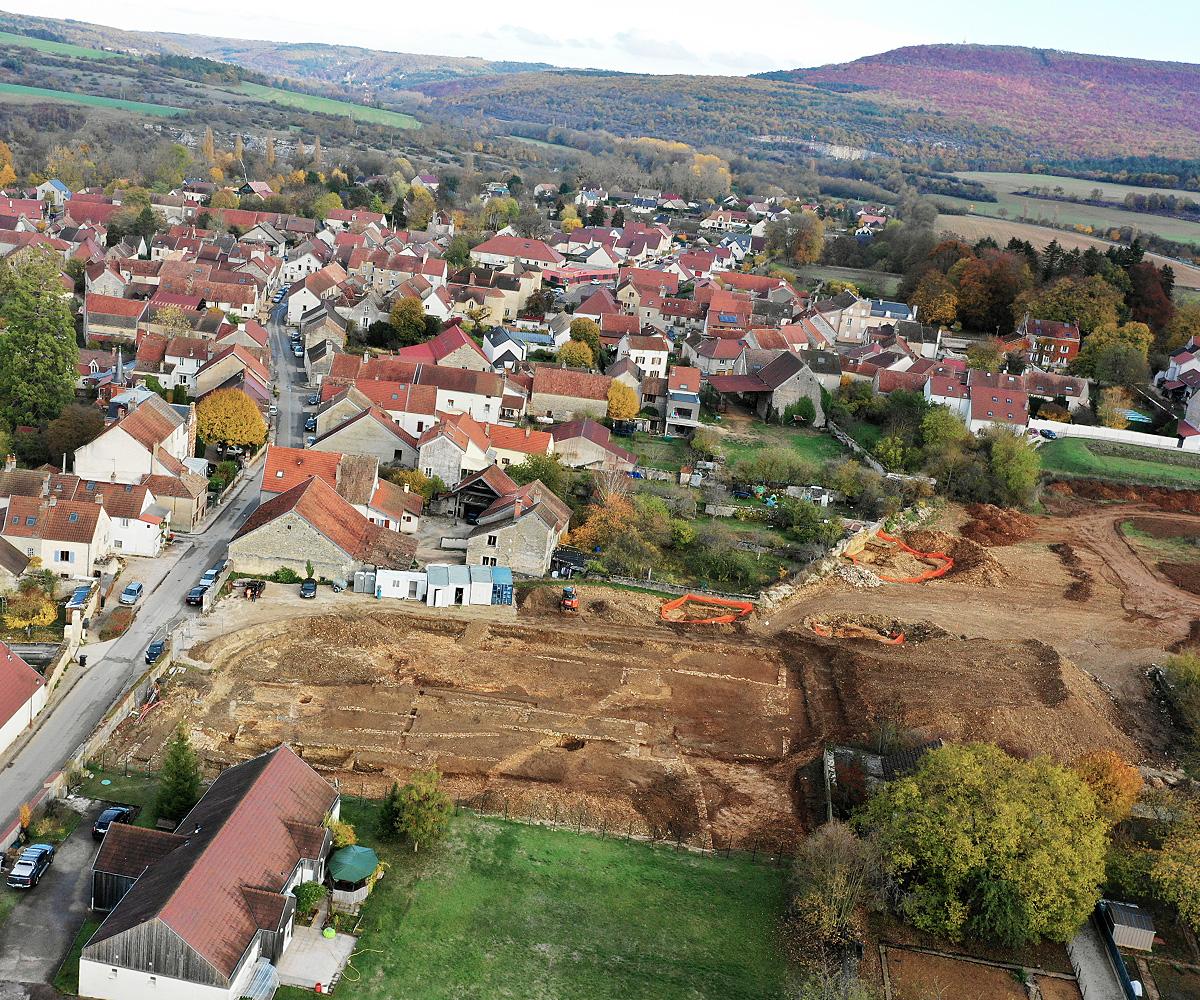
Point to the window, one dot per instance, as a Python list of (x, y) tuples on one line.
[(488, 561), (279, 474), (429, 470), (420, 426), (29, 551), (124, 522), (118, 544), (64, 555), (491, 541)]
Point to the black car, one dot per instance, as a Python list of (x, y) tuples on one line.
[(111, 815), (195, 596), (308, 589), (155, 650), (310, 424), (31, 866)]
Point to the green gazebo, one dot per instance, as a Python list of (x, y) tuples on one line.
[(352, 871)]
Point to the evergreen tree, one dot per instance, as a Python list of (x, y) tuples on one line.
[(38, 351), (179, 780), (419, 812)]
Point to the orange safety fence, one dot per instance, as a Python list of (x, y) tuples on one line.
[(946, 563), (888, 640), (743, 609)]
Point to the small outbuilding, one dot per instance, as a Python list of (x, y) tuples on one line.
[(1130, 926), (352, 871)]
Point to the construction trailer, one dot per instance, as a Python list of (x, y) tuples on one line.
[(441, 585)]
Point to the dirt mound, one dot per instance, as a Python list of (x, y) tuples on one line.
[(973, 563), (1081, 587), (596, 604), (995, 526), (873, 627), (1185, 575), (1181, 501), (1020, 694), (1165, 527)]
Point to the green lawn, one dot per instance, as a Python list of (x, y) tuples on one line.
[(67, 979), (136, 789), (1123, 463), (91, 100), (328, 106), (883, 282), (813, 446), (56, 48), (658, 452), (504, 910)]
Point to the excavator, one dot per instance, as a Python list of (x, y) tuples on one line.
[(569, 602)]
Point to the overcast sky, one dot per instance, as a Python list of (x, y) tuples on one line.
[(653, 36)]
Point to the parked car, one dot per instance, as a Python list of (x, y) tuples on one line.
[(209, 578), (310, 440), (310, 424), (111, 815), (155, 650), (1049, 435), (31, 866), (308, 589), (195, 596), (131, 594), (272, 410), (298, 351), (314, 398)]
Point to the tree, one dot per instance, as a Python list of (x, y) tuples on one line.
[(1115, 784), (622, 402), (1015, 466), (29, 609), (807, 238), (416, 481), (1113, 407), (230, 416), (418, 812), (1183, 677), (891, 452), (1176, 872), (343, 834), (835, 873), (174, 322), (326, 203), (986, 355), (941, 430), (985, 845), (1111, 351), (547, 469), (987, 287), (576, 354), (408, 320), (38, 352), (588, 332), (223, 199), (935, 299), (1148, 301), (421, 207), (458, 253), (1184, 325), (308, 897), (1089, 301), (73, 428), (179, 778)]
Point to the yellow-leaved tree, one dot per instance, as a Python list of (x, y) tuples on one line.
[(576, 354), (622, 402), (230, 416)]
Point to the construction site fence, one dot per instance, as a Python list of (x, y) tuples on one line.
[(668, 588)]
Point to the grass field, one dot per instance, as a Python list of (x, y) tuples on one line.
[(504, 910), (1005, 182), (57, 48), (41, 93), (656, 452), (328, 106), (135, 789), (811, 445), (1121, 463), (883, 281), (975, 227)]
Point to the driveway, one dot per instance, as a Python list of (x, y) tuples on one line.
[(430, 532), (38, 934)]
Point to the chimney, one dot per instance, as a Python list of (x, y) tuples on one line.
[(100, 499), (527, 433), (10, 462), (52, 502), (405, 487)]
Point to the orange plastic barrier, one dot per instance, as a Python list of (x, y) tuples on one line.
[(946, 562), (743, 609)]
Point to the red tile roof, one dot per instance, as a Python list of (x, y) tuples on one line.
[(288, 467), (57, 521), (523, 439), (515, 246), (109, 305), (18, 682), (552, 381)]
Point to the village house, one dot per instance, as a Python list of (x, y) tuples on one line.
[(311, 522), (138, 523), (152, 438), (69, 537), (650, 354), (520, 530), (108, 318), (205, 911), (504, 251), (585, 444), (22, 695), (773, 388), (371, 431), (1048, 343), (567, 393)]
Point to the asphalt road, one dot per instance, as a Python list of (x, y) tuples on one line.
[(289, 371), (38, 934), (65, 725)]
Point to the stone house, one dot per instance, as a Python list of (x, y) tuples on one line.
[(568, 393), (311, 522), (371, 432), (520, 530)]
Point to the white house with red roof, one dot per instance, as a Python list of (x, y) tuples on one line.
[(503, 251), (650, 354), (452, 348), (22, 696)]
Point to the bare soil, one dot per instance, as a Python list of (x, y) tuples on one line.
[(916, 975)]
